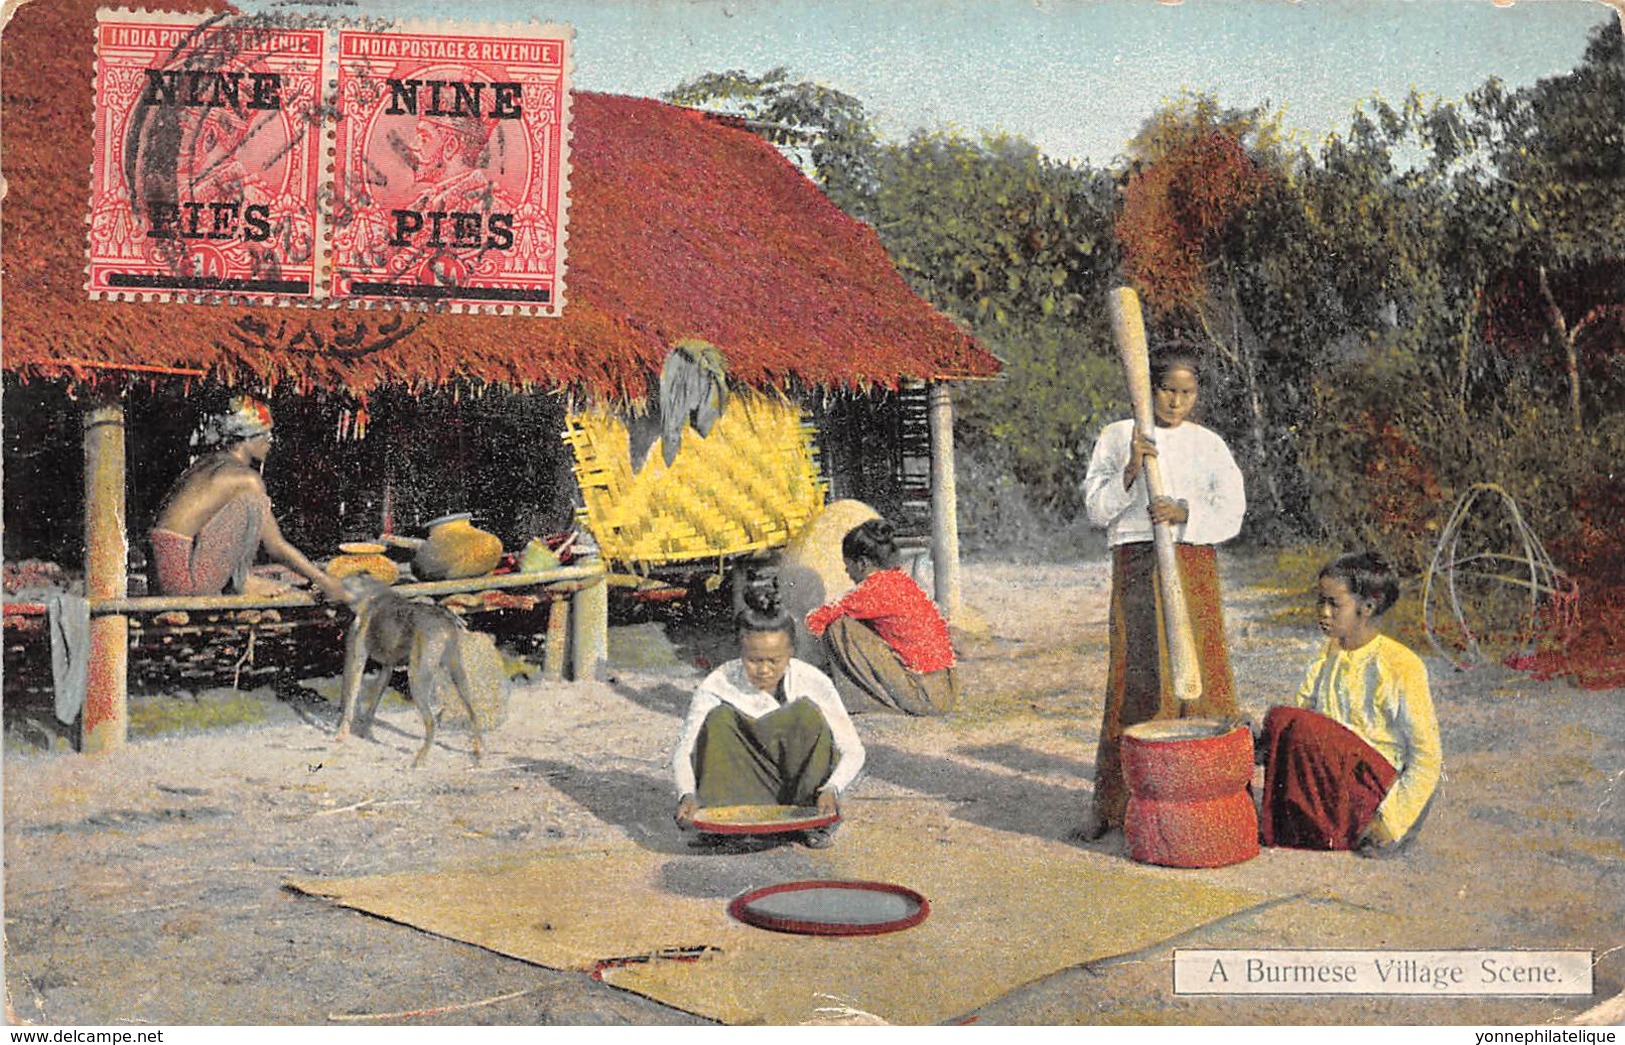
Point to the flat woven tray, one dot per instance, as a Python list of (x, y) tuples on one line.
[(760, 820), (831, 908)]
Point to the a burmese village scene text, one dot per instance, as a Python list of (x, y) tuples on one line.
[(935, 513)]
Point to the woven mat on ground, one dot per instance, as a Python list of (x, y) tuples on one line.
[(1005, 909)]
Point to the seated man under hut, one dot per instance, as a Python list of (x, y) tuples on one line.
[(217, 515)]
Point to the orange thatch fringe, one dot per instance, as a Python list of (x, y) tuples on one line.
[(133, 367)]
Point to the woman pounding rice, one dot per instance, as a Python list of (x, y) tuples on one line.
[(1204, 502)]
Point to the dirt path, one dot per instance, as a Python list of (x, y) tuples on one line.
[(145, 886)]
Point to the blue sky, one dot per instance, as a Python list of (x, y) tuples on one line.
[(1078, 77)]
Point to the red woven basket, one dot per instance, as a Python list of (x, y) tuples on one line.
[(1189, 804), (1187, 759)]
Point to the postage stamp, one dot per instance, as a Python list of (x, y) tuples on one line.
[(260, 160), (451, 174), (207, 160)]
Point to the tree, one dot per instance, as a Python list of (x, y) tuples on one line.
[(824, 131), (993, 229), (1377, 323), (1478, 246), (1014, 245), (1200, 176), (1020, 248), (1557, 152)]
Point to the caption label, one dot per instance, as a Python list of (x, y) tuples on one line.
[(1510, 973)]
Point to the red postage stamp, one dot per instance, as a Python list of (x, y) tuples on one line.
[(451, 169), (207, 163)]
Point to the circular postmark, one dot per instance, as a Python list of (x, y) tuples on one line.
[(208, 160)]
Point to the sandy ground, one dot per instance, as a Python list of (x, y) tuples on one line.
[(145, 886)]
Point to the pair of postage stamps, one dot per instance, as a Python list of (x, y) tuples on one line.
[(251, 160)]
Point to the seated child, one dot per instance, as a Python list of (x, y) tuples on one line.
[(887, 643), (1355, 763), (766, 729)]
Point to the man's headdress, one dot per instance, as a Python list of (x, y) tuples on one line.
[(243, 418)]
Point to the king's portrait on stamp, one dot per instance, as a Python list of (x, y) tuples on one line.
[(449, 168), (207, 162)]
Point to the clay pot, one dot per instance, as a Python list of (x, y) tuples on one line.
[(365, 558), (456, 549)]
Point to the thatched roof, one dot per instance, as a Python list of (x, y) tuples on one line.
[(680, 226)]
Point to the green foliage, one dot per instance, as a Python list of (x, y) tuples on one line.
[(1381, 315), (1193, 116), (1558, 151), (998, 516), (1391, 456), (992, 230), (1553, 213), (1498, 225), (1214, 237), (1020, 248), (825, 131), (1042, 418)]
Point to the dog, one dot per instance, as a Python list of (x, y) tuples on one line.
[(393, 630)]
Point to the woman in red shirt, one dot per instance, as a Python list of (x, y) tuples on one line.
[(887, 643)]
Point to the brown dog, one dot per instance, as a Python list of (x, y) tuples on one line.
[(393, 630)]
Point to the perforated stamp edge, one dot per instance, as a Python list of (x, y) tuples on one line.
[(102, 147), (564, 35), (330, 26)]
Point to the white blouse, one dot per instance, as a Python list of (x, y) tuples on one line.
[(729, 685), (1196, 468)]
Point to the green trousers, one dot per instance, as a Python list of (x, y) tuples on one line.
[(782, 758), (870, 676)]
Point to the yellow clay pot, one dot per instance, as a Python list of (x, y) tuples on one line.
[(359, 557), (455, 550)]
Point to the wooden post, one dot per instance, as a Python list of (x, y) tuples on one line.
[(589, 631), (554, 654), (106, 722), (944, 501)]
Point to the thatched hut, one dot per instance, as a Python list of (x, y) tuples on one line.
[(681, 227)]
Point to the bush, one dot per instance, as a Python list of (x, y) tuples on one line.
[(1392, 455), (1000, 519)]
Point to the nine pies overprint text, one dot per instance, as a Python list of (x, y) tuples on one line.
[(251, 160)]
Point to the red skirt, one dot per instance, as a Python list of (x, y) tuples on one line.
[(1322, 782), (1139, 686), (221, 553)]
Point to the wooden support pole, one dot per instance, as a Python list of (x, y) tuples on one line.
[(944, 502), (106, 722), (555, 653), (590, 572), (589, 632)]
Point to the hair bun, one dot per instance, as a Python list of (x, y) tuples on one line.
[(761, 593)]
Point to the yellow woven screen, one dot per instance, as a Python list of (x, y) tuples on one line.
[(746, 487)]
